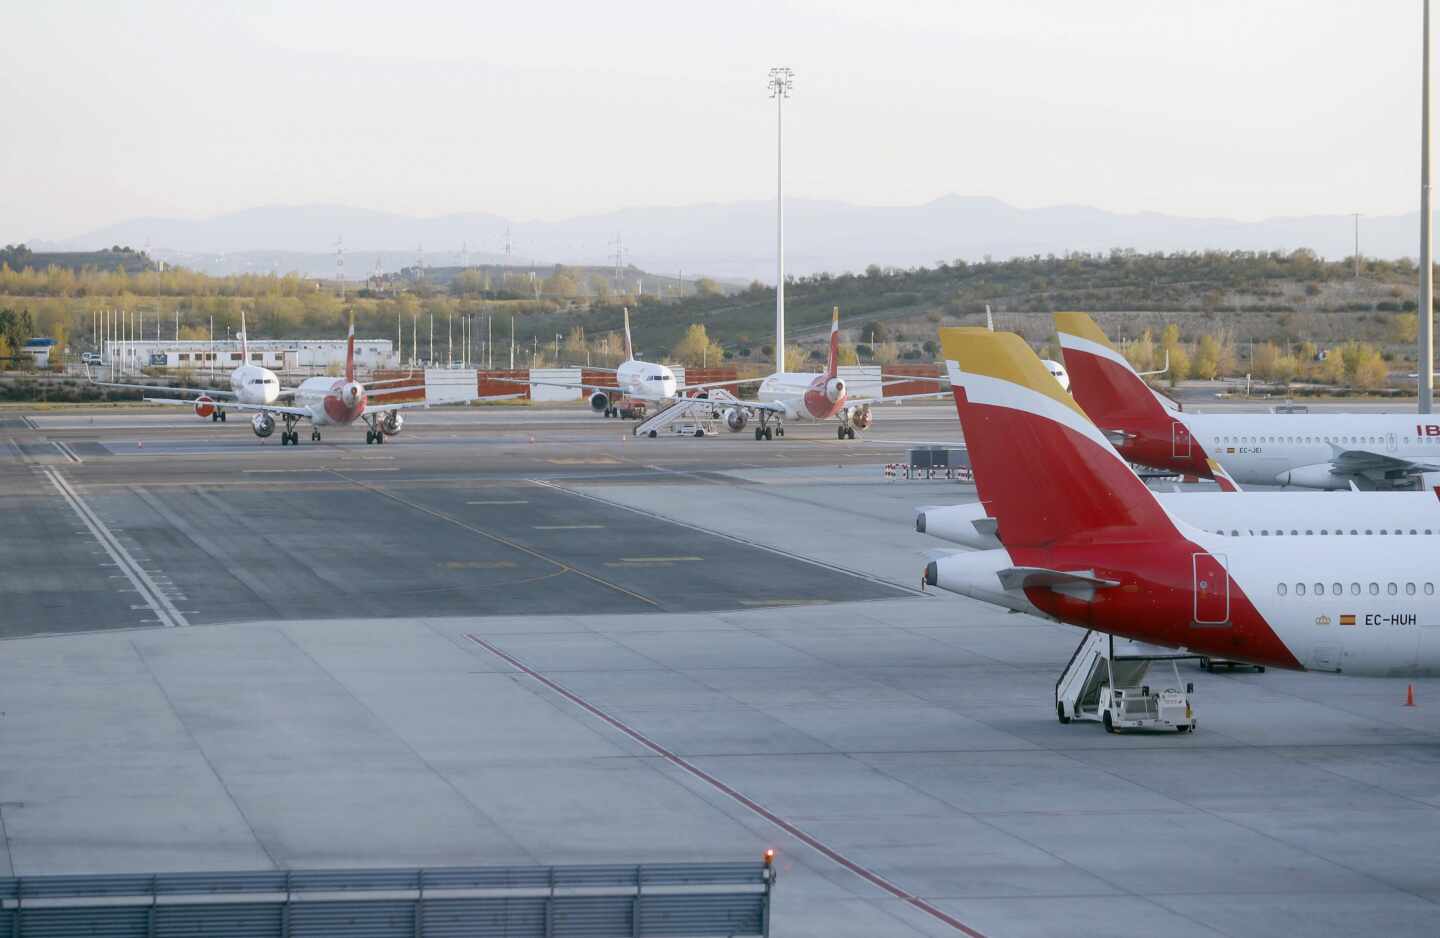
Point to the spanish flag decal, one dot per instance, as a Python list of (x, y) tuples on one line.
[(1347, 619)]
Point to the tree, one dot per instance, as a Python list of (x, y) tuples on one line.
[(695, 350), (794, 358), (1179, 364), (561, 283), (847, 355), (575, 346), (1207, 358), (707, 286), (1263, 361), (1141, 352), (1404, 327), (886, 353)]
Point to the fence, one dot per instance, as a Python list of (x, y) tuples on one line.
[(684, 899)]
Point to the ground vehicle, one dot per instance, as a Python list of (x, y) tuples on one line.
[(1110, 681)]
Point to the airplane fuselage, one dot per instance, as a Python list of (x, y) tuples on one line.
[(254, 385), (645, 381), (804, 395), (331, 401)]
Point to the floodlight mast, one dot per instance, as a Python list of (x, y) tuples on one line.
[(781, 81), (1426, 305)]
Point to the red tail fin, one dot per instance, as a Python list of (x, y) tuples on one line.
[(629, 349), (832, 365), (1104, 383), (1043, 469), (350, 352)]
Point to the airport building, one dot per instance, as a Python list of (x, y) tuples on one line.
[(279, 355)]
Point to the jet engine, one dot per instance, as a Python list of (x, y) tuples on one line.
[(735, 419), (835, 389), (599, 401), (393, 423), (1318, 476), (204, 406), (860, 417), (352, 394), (263, 425)]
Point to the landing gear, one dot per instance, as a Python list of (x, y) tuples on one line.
[(315, 436), (374, 434), (290, 436), (218, 416), (699, 431), (844, 432), (770, 427)]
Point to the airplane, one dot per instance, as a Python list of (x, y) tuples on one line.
[(249, 384), (807, 396), (637, 384), (331, 402), (1085, 542), (1321, 451)]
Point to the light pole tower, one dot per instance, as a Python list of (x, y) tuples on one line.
[(1426, 306), (781, 80)]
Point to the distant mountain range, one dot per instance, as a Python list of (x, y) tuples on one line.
[(733, 240)]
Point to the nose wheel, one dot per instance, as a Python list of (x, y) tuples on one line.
[(844, 432)]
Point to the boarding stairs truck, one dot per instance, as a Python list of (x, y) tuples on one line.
[(688, 416), (1111, 680)]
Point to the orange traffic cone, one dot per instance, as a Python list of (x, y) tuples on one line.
[(1409, 695)]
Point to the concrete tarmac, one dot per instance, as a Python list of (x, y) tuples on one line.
[(341, 655)]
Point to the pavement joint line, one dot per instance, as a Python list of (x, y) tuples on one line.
[(513, 545), (834, 568), (168, 615), (66, 451), (680, 762)]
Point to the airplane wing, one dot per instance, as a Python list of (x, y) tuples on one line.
[(717, 384), (211, 392), (1357, 461), (408, 405), (560, 384), (928, 395), (236, 405)]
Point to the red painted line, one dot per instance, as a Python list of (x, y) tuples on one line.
[(680, 762)]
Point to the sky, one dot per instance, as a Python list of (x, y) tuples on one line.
[(549, 109)]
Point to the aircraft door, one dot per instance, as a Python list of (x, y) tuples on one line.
[(1179, 440), (1212, 589), (1391, 444)]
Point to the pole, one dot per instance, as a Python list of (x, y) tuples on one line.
[(450, 341), (212, 348), (1427, 269), (399, 342), (512, 343), (490, 342), (1357, 244), (432, 340), (414, 342)]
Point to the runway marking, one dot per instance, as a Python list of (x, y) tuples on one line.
[(565, 567), (585, 461), (66, 451), (154, 597), (566, 527), (478, 564), (502, 501), (784, 602), (734, 794), (265, 471), (658, 559)]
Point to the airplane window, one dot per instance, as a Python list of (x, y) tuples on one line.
[(1234, 533), (1265, 533), (1319, 589), (1368, 531), (1391, 589), (1412, 530), (1336, 589), (1299, 589), (1354, 589), (1281, 589), (1311, 531), (1382, 531), (1353, 531), (1429, 589), (1374, 589), (1409, 589), (1323, 531), (1293, 532)]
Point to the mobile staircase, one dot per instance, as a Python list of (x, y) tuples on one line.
[(689, 416), (1109, 680)]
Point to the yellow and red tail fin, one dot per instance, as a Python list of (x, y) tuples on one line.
[(832, 363), (350, 351), (1222, 478), (629, 349), (1043, 469), (1101, 378)]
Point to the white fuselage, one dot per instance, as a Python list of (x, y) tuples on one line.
[(1292, 449), (801, 394), (645, 381), (1370, 610), (254, 385), (1245, 514), (331, 401)]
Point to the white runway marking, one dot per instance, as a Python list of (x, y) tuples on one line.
[(154, 597)]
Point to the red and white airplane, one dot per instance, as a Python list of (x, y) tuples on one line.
[(330, 402), (807, 396), (1322, 451), (1087, 543)]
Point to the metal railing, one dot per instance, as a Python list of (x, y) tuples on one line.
[(725, 900)]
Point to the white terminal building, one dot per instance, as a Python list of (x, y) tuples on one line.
[(317, 355)]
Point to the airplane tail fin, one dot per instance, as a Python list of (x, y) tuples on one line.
[(1043, 469), (350, 351), (832, 363), (1102, 380), (244, 340), (629, 348)]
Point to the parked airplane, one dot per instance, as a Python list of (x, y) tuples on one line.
[(1247, 514), (331, 402), (249, 384), (637, 384), (1322, 451), (808, 396), (1085, 542)]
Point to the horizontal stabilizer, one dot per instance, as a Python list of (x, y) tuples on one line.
[(1062, 581)]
